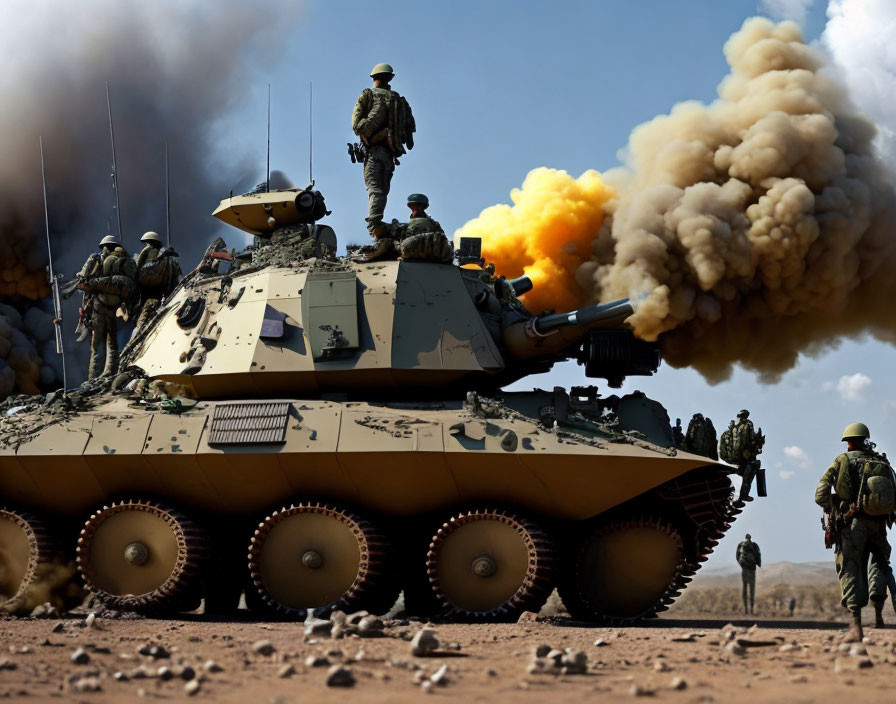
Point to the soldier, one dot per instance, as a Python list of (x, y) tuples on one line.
[(157, 274), (107, 280), (701, 437), (678, 434), (749, 558), (746, 444), (861, 525), (384, 122), (422, 237)]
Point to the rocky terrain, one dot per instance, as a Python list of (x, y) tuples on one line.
[(105, 658)]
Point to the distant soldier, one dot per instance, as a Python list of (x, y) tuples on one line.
[(741, 445), (158, 273), (701, 437), (858, 494), (107, 280), (678, 434), (749, 558), (792, 605), (422, 237), (384, 122)]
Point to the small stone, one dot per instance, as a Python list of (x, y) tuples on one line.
[(424, 642), (339, 676), (689, 638), (857, 650), (80, 657), (426, 686), (799, 679), (156, 652), (527, 617), (678, 683), (90, 621), (370, 627), (735, 649), (541, 651), (574, 663), (120, 677), (660, 666), (188, 673), (864, 663), (263, 647), (600, 643), (87, 684), (165, 673), (58, 628), (440, 676), (787, 648), (192, 687), (555, 656), (355, 618), (7, 664), (638, 690), (316, 661), (286, 671), (212, 666), (317, 627)]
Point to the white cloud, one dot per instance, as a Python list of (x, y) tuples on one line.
[(859, 34), (786, 9), (799, 456), (852, 387), (786, 474)]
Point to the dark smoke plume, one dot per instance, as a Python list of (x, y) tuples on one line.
[(751, 230), (177, 70)]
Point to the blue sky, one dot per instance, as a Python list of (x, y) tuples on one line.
[(499, 88)]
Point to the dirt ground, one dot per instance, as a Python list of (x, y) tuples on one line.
[(668, 659)]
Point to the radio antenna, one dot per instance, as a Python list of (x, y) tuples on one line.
[(114, 169), (53, 279), (167, 202), (311, 133), (268, 179)]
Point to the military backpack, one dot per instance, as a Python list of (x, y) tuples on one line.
[(726, 446), (869, 481)]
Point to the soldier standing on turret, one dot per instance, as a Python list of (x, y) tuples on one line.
[(157, 274), (746, 446), (384, 122), (107, 280)]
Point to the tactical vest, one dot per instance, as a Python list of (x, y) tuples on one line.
[(867, 480), (726, 446), (389, 121)]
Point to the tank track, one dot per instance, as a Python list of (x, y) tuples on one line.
[(42, 551), (539, 576), (375, 587), (181, 590)]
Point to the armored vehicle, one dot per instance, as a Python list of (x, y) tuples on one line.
[(320, 432)]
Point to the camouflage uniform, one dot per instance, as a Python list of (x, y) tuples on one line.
[(102, 276), (151, 299), (701, 437), (373, 120), (749, 558), (862, 537), (424, 238), (745, 441)]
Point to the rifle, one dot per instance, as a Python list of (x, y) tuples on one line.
[(53, 278)]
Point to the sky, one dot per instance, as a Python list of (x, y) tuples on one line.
[(497, 91), (501, 87)]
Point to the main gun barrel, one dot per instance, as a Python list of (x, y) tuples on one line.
[(586, 317)]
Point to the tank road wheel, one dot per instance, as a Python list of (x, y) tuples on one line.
[(317, 557), (622, 571), (142, 556), (25, 546), (490, 565)]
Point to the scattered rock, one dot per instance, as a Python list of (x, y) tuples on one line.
[(80, 657), (59, 627), (286, 671), (735, 648), (156, 652), (600, 643), (440, 676), (120, 677), (689, 638), (370, 627), (678, 683), (165, 673), (316, 661), (46, 610), (263, 647), (638, 690), (339, 676), (7, 664), (799, 679), (574, 663), (541, 651), (355, 618), (317, 627), (212, 666), (527, 617), (660, 666), (192, 687), (424, 642), (87, 684), (188, 673)]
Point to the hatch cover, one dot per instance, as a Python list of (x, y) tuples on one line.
[(249, 424)]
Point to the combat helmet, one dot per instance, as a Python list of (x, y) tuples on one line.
[(743, 413), (110, 240), (748, 537), (381, 69), (418, 199), (856, 430), (151, 237)]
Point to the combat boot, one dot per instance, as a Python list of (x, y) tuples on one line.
[(879, 614), (855, 633)]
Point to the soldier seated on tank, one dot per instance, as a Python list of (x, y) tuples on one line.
[(423, 238)]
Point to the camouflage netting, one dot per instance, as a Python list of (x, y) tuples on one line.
[(26, 341)]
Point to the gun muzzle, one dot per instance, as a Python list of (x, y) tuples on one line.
[(521, 285)]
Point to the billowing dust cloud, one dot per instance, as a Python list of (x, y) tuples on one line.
[(177, 71), (751, 230)]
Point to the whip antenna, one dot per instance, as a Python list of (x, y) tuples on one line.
[(268, 179), (167, 202), (53, 279), (114, 169), (311, 133)]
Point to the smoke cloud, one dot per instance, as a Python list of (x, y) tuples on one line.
[(177, 70), (750, 230)]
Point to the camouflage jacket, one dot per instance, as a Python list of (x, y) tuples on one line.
[(840, 481), (421, 226), (371, 113), (147, 254), (749, 557)]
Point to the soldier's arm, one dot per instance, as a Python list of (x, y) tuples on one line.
[(362, 107), (823, 490)]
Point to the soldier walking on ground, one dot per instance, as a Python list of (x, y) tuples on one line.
[(749, 557), (158, 273), (107, 280), (858, 494), (384, 122)]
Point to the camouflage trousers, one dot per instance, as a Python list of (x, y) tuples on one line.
[(877, 583), (147, 311), (863, 537), (378, 169), (748, 577), (748, 474), (104, 342)]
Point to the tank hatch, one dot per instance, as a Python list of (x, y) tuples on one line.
[(262, 212)]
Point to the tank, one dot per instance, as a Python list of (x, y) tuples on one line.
[(323, 432)]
